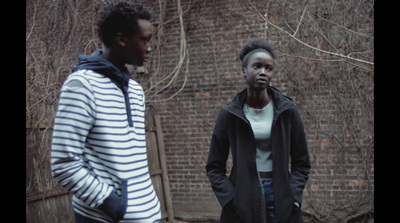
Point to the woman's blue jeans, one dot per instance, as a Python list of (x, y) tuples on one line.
[(269, 199)]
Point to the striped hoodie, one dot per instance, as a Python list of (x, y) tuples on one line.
[(99, 146)]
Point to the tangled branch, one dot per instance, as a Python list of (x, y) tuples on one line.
[(153, 92), (293, 36)]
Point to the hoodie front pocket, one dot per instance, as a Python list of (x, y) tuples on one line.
[(115, 206), (124, 200)]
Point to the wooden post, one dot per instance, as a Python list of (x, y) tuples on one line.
[(163, 163)]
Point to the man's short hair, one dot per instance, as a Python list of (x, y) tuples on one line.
[(120, 17)]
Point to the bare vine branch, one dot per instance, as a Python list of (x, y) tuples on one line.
[(346, 57), (176, 71)]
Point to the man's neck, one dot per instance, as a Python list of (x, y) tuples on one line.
[(113, 57)]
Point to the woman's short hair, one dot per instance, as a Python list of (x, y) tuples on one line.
[(254, 44)]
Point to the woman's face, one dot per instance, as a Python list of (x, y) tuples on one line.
[(259, 70)]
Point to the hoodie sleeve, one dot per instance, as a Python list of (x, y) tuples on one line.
[(74, 119), (216, 163)]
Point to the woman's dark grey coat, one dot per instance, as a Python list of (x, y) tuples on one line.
[(243, 187)]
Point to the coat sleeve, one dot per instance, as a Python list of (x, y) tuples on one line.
[(216, 163), (300, 161), (74, 119)]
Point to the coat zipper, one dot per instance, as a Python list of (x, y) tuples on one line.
[(276, 116)]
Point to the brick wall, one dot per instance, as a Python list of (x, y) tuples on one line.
[(334, 94), (335, 97)]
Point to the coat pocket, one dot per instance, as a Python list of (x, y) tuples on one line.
[(296, 215), (229, 214)]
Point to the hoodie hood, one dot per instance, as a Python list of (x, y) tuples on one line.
[(98, 64), (120, 78)]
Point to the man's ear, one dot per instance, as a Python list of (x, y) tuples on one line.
[(244, 72), (120, 39)]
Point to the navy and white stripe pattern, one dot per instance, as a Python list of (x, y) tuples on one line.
[(94, 150)]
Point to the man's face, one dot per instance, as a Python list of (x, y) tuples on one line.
[(137, 49)]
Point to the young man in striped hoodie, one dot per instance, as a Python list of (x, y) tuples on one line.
[(99, 146)]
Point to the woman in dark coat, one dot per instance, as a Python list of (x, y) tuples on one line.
[(264, 131)]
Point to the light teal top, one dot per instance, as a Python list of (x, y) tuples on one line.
[(261, 123)]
